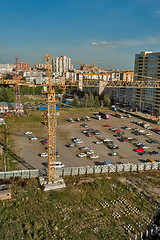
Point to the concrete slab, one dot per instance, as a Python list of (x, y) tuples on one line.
[(48, 186)]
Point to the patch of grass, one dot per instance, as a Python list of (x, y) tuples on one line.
[(79, 211)]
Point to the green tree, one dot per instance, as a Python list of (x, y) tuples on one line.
[(91, 100), (96, 101), (102, 103), (85, 100), (106, 100), (38, 90), (75, 101)]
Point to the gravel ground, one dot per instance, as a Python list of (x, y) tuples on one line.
[(30, 150)]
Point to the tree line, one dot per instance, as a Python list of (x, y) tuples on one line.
[(91, 100)]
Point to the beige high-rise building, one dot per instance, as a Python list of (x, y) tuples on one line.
[(147, 64)]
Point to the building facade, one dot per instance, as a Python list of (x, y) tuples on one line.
[(147, 64), (61, 65)]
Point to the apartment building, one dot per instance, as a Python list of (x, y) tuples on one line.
[(20, 66), (6, 68), (62, 65), (147, 63)]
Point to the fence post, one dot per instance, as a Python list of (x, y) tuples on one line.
[(137, 167), (86, 171)]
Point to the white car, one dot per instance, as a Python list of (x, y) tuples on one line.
[(130, 138), (128, 128), (33, 138), (148, 134), (141, 131), (98, 142), (94, 156), (77, 140), (145, 147), (106, 140), (89, 152), (112, 129), (84, 148), (70, 120), (27, 133), (138, 144), (59, 165), (81, 155), (44, 155)]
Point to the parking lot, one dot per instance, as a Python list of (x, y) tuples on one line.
[(126, 150), (67, 131)]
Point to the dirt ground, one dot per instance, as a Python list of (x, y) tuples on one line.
[(30, 150)]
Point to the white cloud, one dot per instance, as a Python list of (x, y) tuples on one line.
[(103, 43), (129, 42)]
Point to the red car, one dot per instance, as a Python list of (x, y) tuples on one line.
[(45, 143), (140, 150), (90, 135), (117, 130), (107, 125)]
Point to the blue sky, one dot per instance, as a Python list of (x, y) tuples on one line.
[(108, 31)]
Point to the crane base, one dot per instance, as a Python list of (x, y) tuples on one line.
[(47, 186)]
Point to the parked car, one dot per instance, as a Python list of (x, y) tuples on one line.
[(107, 125), (113, 147), (87, 118), (89, 134), (139, 150), (151, 141), (150, 160), (128, 115), (98, 142), (123, 139), (93, 156), (112, 129), (113, 154), (98, 117), (70, 120), (27, 133), (71, 145), (84, 148), (44, 155), (117, 131), (33, 138), (84, 125), (107, 162), (96, 132), (154, 152), (148, 134), (81, 155), (77, 140), (144, 146), (59, 165), (77, 120), (89, 152), (106, 140)]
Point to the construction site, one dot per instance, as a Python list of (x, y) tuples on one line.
[(29, 133)]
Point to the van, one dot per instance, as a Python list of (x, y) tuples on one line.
[(98, 117)]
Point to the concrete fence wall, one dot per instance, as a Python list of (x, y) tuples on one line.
[(73, 171)]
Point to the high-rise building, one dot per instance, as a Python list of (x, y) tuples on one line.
[(62, 65), (147, 64)]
